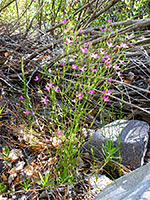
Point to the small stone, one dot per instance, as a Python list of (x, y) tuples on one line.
[(133, 135)]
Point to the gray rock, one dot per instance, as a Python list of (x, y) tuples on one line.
[(132, 134), (132, 186)]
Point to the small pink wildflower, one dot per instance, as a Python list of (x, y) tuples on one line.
[(84, 50), (110, 79), (63, 64), (109, 30), (103, 60), (74, 100), (56, 89), (48, 86), (82, 69), (74, 66), (117, 46), (44, 100), (107, 56), (58, 133), (109, 20), (91, 92), (109, 43), (118, 73), (107, 61), (106, 98), (108, 92), (108, 66), (26, 112), (36, 78), (76, 74), (74, 35), (93, 70), (103, 30), (21, 97), (115, 66), (93, 55), (124, 45), (80, 95), (121, 61), (68, 41), (88, 43), (63, 22), (62, 53), (81, 31), (103, 52)]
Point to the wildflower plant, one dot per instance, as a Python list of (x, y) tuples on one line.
[(2, 188), (82, 72), (44, 183), (25, 184), (5, 154), (1, 110)]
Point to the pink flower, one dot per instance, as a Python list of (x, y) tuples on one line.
[(84, 50), (107, 56), (58, 133), (109, 43), (48, 86), (109, 20), (103, 60), (56, 89), (21, 97), (76, 74), (121, 61), (74, 100), (63, 64), (36, 78), (63, 22), (124, 45), (103, 52), (117, 46), (68, 41), (93, 55), (82, 69), (88, 43), (80, 95), (115, 66), (106, 98), (103, 30), (110, 79), (81, 31), (74, 35), (107, 61), (91, 92), (109, 30), (74, 66), (62, 53), (93, 70), (118, 73), (26, 112), (108, 92), (108, 66), (44, 100)]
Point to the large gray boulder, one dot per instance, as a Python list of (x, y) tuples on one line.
[(133, 135), (132, 186)]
